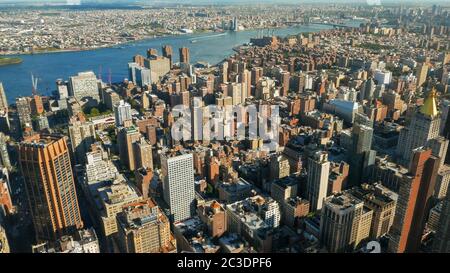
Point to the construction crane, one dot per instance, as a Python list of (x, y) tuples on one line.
[(34, 82)]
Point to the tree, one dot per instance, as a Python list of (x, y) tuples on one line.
[(94, 112)]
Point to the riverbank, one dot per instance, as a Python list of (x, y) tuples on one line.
[(4, 61), (125, 43), (111, 63)]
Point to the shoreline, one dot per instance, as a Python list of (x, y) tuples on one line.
[(18, 54), (7, 61), (119, 44)]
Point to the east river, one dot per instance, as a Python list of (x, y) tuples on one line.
[(206, 47)]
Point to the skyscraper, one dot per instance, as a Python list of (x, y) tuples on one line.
[(62, 89), (125, 139), (82, 136), (284, 79), (178, 185), (344, 223), (382, 202), (3, 101), (143, 228), (46, 169), (24, 111), (167, 52), (235, 24), (184, 55), (143, 154), (360, 156), (4, 154), (84, 87), (122, 112), (441, 243), (424, 126), (421, 74), (317, 184), (36, 105), (413, 203), (159, 66)]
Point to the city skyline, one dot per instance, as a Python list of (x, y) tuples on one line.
[(235, 128)]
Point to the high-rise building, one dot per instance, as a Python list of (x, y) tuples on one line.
[(6, 205), (159, 66), (235, 26), (344, 223), (442, 182), (294, 209), (110, 98), (47, 172), (63, 89), (98, 167), (122, 112), (178, 185), (284, 79), (361, 157), (245, 78), (382, 202), (24, 111), (152, 52), (441, 243), (424, 126), (213, 215), (367, 90), (279, 167), (112, 198), (139, 75), (283, 189), (224, 72), (167, 52), (143, 154), (414, 201), (125, 139), (4, 154), (3, 100), (144, 177), (143, 228), (82, 136), (84, 87), (255, 218), (235, 92), (421, 74), (184, 55), (264, 88), (318, 171), (36, 105)]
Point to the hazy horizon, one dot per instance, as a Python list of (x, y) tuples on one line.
[(144, 2)]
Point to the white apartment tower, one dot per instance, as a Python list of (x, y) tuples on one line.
[(122, 112), (178, 185), (84, 87)]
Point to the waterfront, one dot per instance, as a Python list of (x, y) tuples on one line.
[(48, 67)]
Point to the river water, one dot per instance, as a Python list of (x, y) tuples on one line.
[(207, 47)]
